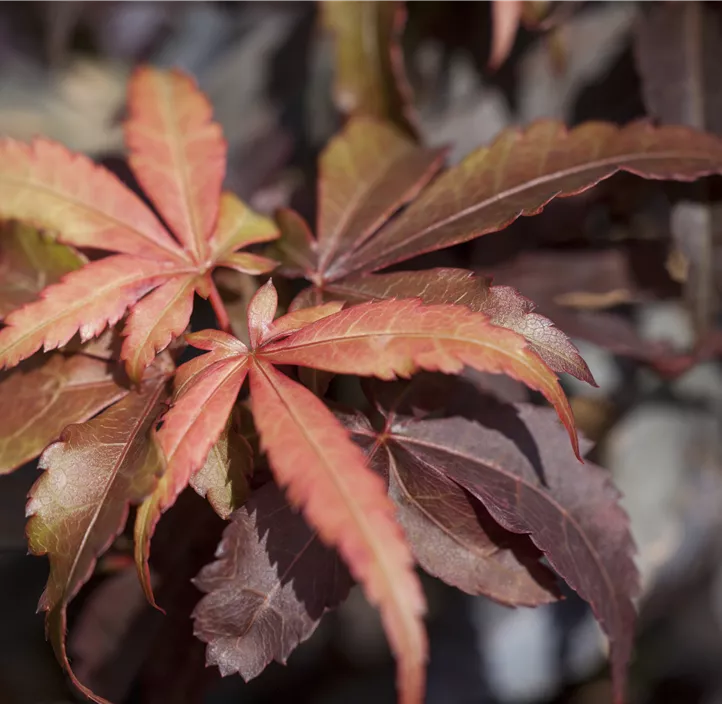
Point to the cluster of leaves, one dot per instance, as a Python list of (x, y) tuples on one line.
[(446, 472)]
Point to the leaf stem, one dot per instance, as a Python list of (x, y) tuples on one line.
[(218, 308)]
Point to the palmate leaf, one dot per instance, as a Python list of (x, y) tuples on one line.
[(80, 504), (451, 535), (271, 583), (310, 452), (178, 155), (517, 175), (515, 460), (522, 171)]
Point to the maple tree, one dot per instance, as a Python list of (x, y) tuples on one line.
[(443, 471)]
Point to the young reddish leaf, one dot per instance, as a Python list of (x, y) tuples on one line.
[(41, 397), (159, 318), (506, 17), (266, 593), (522, 171), (261, 311), (223, 479), (46, 185), (326, 476), (85, 301), (368, 172), (514, 459), (30, 261), (80, 503), (451, 535), (370, 78), (678, 51), (186, 437), (177, 153), (221, 346), (396, 338), (504, 306)]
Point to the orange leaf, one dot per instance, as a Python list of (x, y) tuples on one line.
[(189, 431), (44, 184), (177, 153), (160, 317), (85, 301), (396, 338), (504, 305), (179, 156), (298, 319), (326, 476)]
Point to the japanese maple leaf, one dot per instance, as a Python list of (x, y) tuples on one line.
[(310, 452), (178, 156), (442, 444), (370, 172)]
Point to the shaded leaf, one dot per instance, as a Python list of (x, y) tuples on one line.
[(514, 459), (326, 476), (504, 306), (368, 61), (522, 171), (41, 397), (452, 536), (271, 583), (296, 246), (224, 477), (80, 504), (30, 261), (678, 51)]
